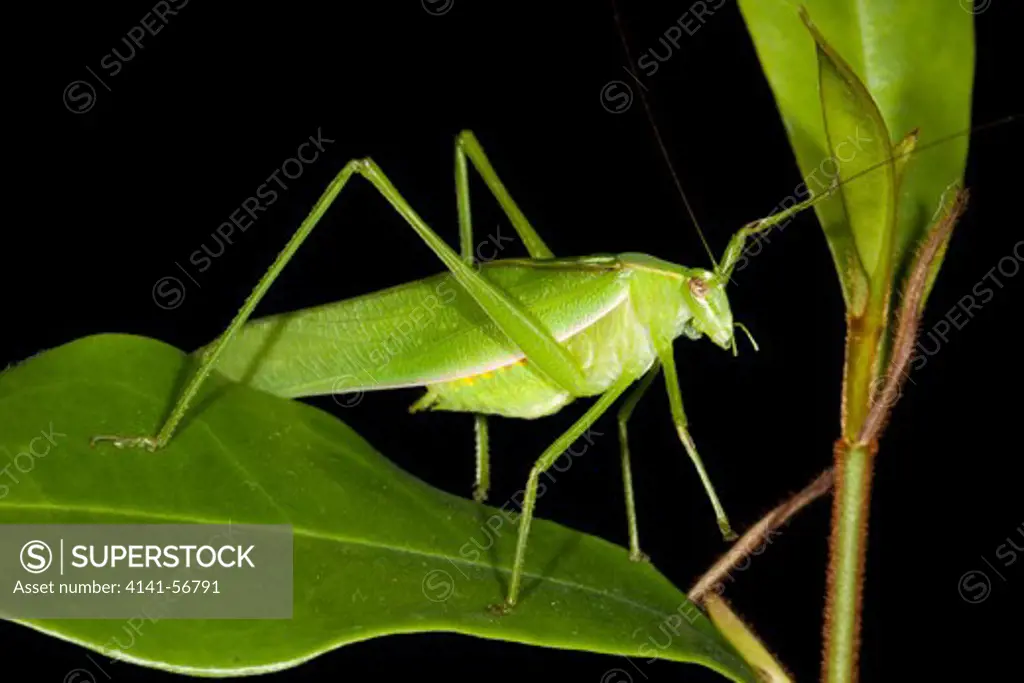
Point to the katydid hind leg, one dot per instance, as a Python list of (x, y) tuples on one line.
[(625, 412), (209, 359), (466, 145), (675, 400), (482, 481), (544, 353), (543, 463), (483, 459), (467, 148)]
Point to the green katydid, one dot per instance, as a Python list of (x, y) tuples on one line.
[(515, 337)]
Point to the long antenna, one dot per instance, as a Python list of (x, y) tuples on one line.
[(675, 177), (934, 143), (657, 137)]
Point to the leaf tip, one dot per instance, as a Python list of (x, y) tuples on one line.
[(805, 16)]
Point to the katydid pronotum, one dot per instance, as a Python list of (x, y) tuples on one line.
[(519, 338)]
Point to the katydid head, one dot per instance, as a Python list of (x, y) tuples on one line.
[(704, 294)]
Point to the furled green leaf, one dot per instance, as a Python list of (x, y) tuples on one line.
[(376, 550), (917, 61), (858, 142)]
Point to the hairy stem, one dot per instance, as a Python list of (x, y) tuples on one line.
[(850, 508), (758, 534), (850, 503)]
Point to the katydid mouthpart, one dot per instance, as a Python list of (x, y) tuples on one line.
[(520, 338)]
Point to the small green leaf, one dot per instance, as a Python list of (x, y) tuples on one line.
[(376, 551)]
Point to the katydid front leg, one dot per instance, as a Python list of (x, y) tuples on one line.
[(734, 250), (675, 401), (545, 354)]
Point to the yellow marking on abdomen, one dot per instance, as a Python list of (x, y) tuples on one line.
[(489, 374)]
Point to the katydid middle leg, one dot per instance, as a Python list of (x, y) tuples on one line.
[(625, 412), (467, 146), (545, 461)]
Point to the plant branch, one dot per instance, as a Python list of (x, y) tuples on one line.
[(909, 321), (758, 533), (868, 399)]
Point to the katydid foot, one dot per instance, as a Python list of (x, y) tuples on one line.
[(502, 609), (638, 556)]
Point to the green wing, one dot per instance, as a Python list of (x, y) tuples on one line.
[(420, 333)]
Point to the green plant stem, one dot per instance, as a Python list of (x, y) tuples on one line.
[(851, 501), (851, 505)]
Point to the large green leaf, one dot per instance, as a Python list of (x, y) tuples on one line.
[(917, 61), (376, 551)]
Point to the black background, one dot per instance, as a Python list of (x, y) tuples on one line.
[(215, 102)]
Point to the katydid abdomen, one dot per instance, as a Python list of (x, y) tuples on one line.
[(431, 333)]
